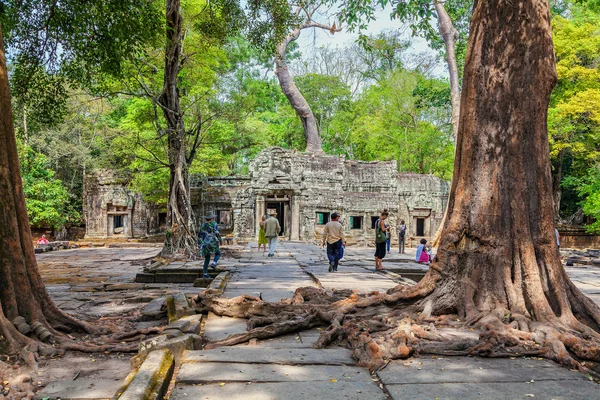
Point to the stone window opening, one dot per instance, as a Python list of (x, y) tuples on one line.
[(356, 222), (322, 218), (420, 227), (374, 221)]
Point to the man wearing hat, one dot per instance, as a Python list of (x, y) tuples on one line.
[(334, 237), (210, 240), (272, 229)]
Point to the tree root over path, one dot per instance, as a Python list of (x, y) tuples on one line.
[(379, 327)]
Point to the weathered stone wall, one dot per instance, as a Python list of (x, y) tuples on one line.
[(106, 197), (302, 185)]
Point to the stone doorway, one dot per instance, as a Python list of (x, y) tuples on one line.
[(280, 207)]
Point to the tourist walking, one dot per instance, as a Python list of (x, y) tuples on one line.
[(272, 229), (262, 239), (333, 236), (423, 255), (401, 236), (380, 240), (210, 241)]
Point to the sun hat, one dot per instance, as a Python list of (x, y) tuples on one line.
[(211, 215)]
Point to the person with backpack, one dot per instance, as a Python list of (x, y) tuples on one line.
[(210, 241), (333, 237), (381, 228), (401, 236)]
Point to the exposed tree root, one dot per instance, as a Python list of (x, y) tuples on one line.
[(379, 327)]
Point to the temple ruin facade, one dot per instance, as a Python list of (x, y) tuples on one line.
[(112, 210), (305, 189)]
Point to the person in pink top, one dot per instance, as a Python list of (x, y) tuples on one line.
[(423, 255), (42, 240)]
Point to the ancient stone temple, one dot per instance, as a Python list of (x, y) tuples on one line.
[(304, 190), (112, 210)]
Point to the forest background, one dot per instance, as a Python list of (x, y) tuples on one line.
[(374, 99)]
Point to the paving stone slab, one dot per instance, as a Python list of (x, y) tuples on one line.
[(218, 328), (546, 390), (254, 354), (400, 366), (412, 375), (81, 389), (194, 373), (280, 391)]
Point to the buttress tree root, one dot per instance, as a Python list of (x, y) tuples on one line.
[(498, 269), (379, 327)]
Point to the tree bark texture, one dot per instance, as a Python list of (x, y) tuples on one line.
[(297, 101), (179, 209), (498, 252), (450, 36), (498, 269), (22, 291)]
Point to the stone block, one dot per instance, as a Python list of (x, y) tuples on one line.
[(152, 379), (175, 345), (182, 305), (202, 282), (180, 324), (156, 309), (144, 278), (179, 277), (172, 333)]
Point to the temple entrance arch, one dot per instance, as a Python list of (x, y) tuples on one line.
[(285, 204)]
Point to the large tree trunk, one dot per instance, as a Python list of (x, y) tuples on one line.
[(498, 254), (22, 292), (297, 101), (498, 269), (180, 238), (450, 36)]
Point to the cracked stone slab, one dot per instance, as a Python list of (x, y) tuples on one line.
[(556, 390), (258, 355), (281, 391), (195, 373), (218, 328)]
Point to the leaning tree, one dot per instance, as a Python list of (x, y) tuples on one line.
[(498, 269), (306, 13)]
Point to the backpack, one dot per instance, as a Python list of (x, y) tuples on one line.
[(402, 233), (380, 235)]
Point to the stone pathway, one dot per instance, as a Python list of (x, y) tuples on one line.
[(288, 368)]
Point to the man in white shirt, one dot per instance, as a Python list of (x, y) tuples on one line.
[(333, 236)]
